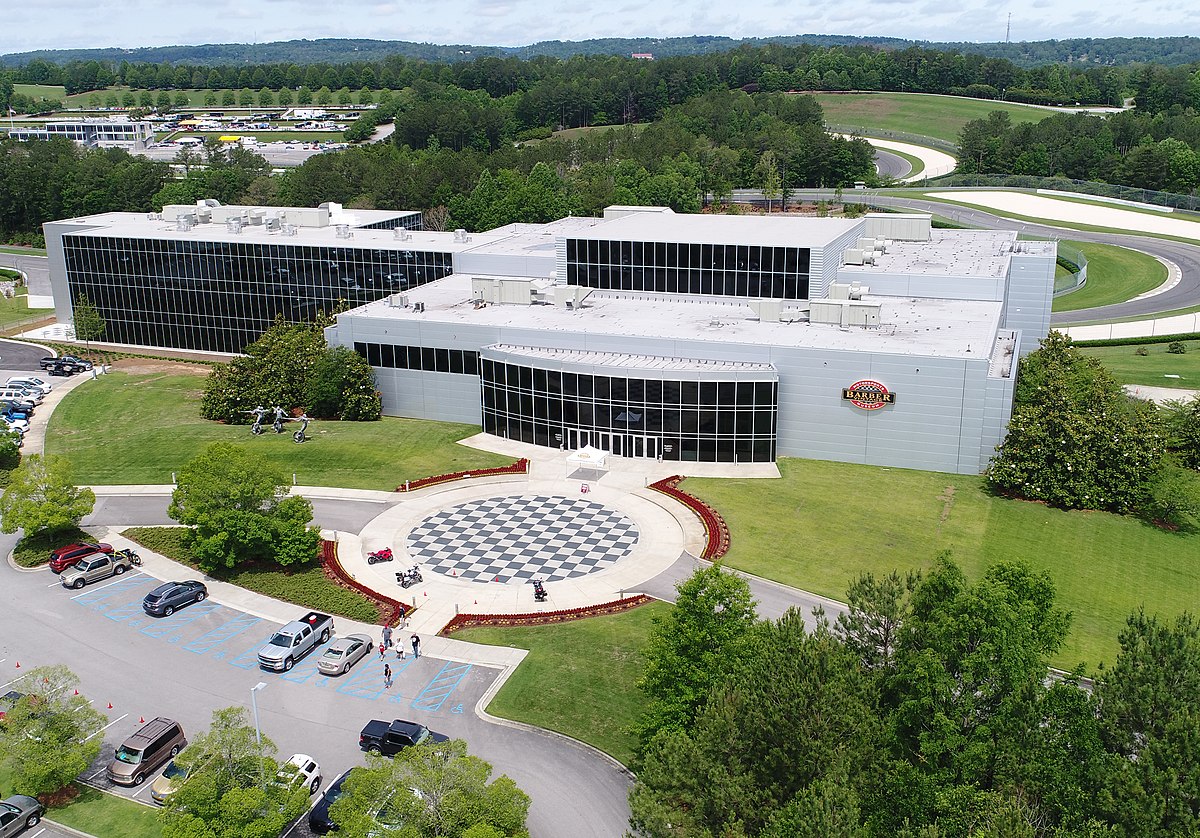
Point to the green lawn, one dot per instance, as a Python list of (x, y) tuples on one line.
[(1115, 274), (930, 115), (580, 678), (97, 813), (824, 523), (41, 91), (1131, 368), (138, 428)]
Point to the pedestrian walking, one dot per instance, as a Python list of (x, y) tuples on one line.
[(387, 635), (399, 651), (387, 676), (416, 644), (382, 650)]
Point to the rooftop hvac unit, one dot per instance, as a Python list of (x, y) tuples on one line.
[(204, 215), (400, 234), (272, 224), (257, 216), (342, 231), (289, 229), (460, 236), (233, 225), (150, 216), (185, 222), (852, 256), (397, 300)]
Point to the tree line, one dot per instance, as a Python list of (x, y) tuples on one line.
[(923, 711), (1149, 151)]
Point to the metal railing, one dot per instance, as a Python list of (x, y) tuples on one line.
[(1078, 277), (1184, 203), (898, 136)]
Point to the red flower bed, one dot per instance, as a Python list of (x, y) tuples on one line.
[(521, 466), (391, 609), (716, 531), (462, 621)]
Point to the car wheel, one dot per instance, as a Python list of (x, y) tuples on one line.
[(168, 611), (200, 597), (325, 636), (138, 779), (374, 749), (314, 785), (288, 664), (345, 669), (79, 583), (32, 821), (119, 569), (175, 751)]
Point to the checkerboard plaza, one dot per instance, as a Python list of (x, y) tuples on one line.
[(644, 333)]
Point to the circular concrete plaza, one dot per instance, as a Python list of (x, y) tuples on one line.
[(523, 537)]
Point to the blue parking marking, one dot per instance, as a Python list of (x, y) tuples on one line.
[(163, 626), (367, 680), (95, 598), (121, 613), (301, 672), (440, 687), (247, 659), (222, 634)]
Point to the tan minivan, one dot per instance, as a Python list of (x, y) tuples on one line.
[(140, 754)]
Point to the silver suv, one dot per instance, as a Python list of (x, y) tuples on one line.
[(95, 567)]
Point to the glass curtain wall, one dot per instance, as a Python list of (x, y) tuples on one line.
[(221, 296), (708, 421), (708, 269)]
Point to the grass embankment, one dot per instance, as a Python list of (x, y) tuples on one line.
[(1115, 274), (96, 813), (307, 587), (926, 114), (824, 523), (1154, 368), (580, 678), (129, 427)]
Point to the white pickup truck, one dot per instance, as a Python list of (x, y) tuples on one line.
[(294, 641)]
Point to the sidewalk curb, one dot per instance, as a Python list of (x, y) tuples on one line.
[(68, 829)]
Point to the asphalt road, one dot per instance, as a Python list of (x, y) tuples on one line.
[(35, 269), (19, 358), (891, 165), (202, 658)]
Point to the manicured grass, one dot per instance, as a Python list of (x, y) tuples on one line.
[(22, 251), (308, 587), (824, 523), (940, 117), (576, 133), (138, 428), (580, 678), (41, 91), (97, 813), (1115, 274), (1131, 368)]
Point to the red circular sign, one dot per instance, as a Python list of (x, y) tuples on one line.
[(868, 395)]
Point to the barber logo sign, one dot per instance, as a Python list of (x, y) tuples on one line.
[(869, 395)]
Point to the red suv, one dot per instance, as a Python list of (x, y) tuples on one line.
[(64, 557)]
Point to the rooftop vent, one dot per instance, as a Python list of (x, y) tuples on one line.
[(460, 236), (342, 231), (401, 234), (289, 229), (233, 225)]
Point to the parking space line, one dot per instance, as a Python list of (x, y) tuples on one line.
[(14, 680), (247, 659), (55, 584), (94, 595), (106, 727), (440, 687), (126, 611), (367, 673), (40, 831), (164, 626), (304, 671), (221, 634)]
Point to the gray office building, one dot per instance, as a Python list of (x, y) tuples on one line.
[(649, 334)]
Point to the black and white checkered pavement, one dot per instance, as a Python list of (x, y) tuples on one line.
[(522, 538)]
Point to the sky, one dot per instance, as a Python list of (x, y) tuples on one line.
[(63, 24)]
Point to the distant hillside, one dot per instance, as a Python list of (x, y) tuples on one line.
[(1096, 51)]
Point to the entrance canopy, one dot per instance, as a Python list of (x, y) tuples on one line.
[(588, 457)]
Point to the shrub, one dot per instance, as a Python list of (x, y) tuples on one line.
[(1176, 347), (34, 550), (1141, 351)]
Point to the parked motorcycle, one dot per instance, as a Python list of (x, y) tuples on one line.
[(133, 557), (539, 591), (408, 578), (384, 555)]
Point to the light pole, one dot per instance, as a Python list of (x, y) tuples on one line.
[(257, 730)]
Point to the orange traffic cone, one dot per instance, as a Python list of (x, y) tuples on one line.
[(110, 705), (426, 593), (141, 720), (76, 692), (18, 664)]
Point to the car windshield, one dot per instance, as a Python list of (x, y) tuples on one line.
[(130, 755), (172, 771), (281, 640)]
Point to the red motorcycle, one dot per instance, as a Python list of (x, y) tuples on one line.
[(384, 555)]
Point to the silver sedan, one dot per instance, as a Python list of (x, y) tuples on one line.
[(18, 813), (343, 653)]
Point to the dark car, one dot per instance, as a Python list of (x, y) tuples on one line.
[(69, 555), (391, 739), (318, 819), (63, 368), (66, 360), (8, 701), (18, 813), (168, 597)]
